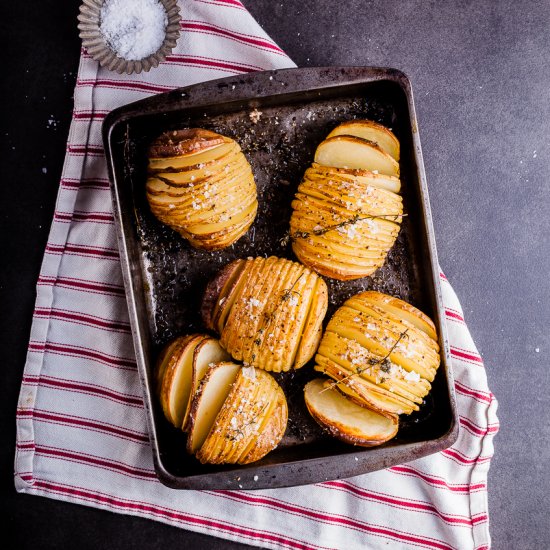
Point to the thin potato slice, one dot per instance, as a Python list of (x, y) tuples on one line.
[(208, 401), (207, 353), (193, 160), (404, 311), (175, 386), (381, 181), (355, 153), (346, 420), (372, 131)]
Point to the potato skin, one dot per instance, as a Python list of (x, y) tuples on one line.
[(213, 290), (184, 142)]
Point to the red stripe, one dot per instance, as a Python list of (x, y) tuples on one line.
[(455, 316), (85, 183), (124, 84), (459, 354), (456, 455), (100, 217), (90, 115), (82, 285), (85, 388), (174, 515), (82, 250), (86, 353), (207, 63), (84, 423), (334, 519), (393, 501), (86, 149), (81, 318), (96, 461), (475, 429), (442, 275), (220, 31), (225, 3), (435, 481), (478, 395)]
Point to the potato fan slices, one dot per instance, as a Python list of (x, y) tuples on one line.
[(201, 185), (381, 352), (347, 211), (268, 312), (232, 414)]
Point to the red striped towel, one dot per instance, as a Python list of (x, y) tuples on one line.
[(81, 429)]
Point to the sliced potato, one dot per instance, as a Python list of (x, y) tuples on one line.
[(372, 131), (381, 181), (208, 401), (346, 420), (175, 386), (207, 353), (347, 214), (355, 153), (250, 423), (268, 312), (384, 357), (201, 185)]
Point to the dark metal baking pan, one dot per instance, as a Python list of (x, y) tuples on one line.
[(164, 277)]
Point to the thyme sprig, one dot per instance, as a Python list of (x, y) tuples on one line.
[(286, 295), (357, 218), (385, 364)]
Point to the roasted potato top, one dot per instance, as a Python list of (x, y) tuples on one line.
[(268, 312), (200, 184), (381, 351)]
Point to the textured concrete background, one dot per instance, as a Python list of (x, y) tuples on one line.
[(481, 76)]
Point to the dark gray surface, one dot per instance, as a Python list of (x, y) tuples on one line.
[(481, 75)]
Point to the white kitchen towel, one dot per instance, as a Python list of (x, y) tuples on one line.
[(81, 428)]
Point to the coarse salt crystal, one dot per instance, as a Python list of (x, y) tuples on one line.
[(133, 29), (412, 377), (249, 372)]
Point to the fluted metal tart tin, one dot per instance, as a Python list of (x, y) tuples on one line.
[(292, 111), (89, 21)]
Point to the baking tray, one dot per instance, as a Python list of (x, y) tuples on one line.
[(164, 277)]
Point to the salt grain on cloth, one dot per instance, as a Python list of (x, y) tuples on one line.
[(133, 29)]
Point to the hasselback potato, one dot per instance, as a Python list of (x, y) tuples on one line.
[(268, 312), (201, 185), (381, 352), (347, 211)]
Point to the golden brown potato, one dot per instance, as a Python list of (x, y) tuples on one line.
[(201, 185), (346, 420), (268, 312), (381, 352), (250, 423), (180, 368), (347, 213)]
